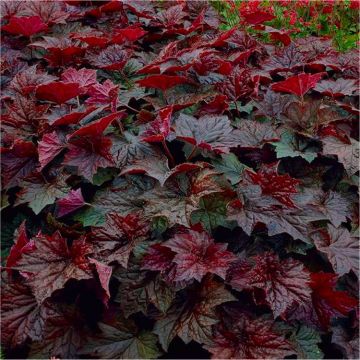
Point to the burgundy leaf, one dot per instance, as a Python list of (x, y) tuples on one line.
[(159, 129), (88, 154), (22, 245), (341, 248), (116, 240), (99, 126), (128, 34), (258, 17), (52, 263), (194, 319), (163, 82), (249, 339), (328, 302), (106, 93), (283, 282), (49, 147), (298, 85), (22, 317), (197, 255), (17, 162), (58, 92), (278, 186), (25, 25), (71, 202), (83, 77), (63, 334)]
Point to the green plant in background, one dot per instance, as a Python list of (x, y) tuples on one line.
[(336, 20)]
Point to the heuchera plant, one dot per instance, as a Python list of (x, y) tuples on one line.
[(174, 190)]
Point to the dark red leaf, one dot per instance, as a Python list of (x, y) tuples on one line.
[(130, 34), (116, 240), (298, 85), (198, 255), (278, 186), (72, 202), (52, 263), (283, 282), (248, 338), (88, 154), (49, 147), (97, 127), (329, 303), (22, 244), (25, 25), (258, 17), (163, 82), (21, 316), (58, 92), (159, 129), (17, 162), (106, 93)]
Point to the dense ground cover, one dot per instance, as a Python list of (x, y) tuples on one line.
[(176, 184)]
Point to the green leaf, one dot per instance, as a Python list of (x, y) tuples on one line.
[(292, 146), (122, 341), (211, 213), (91, 217), (4, 201), (306, 342), (159, 225), (39, 193), (230, 166), (103, 175)]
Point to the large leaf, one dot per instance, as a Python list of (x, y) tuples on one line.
[(341, 248), (299, 84), (283, 282), (52, 263), (121, 340), (88, 154), (38, 193), (17, 162), (208, 132), (138, 289), (63, 334), (348, 154), (196, 255), (194, 319), (22, 317), (117, 238), (247, 338)]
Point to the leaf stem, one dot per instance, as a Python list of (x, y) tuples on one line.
[(191, 155), (168, 153), (128, 106)]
